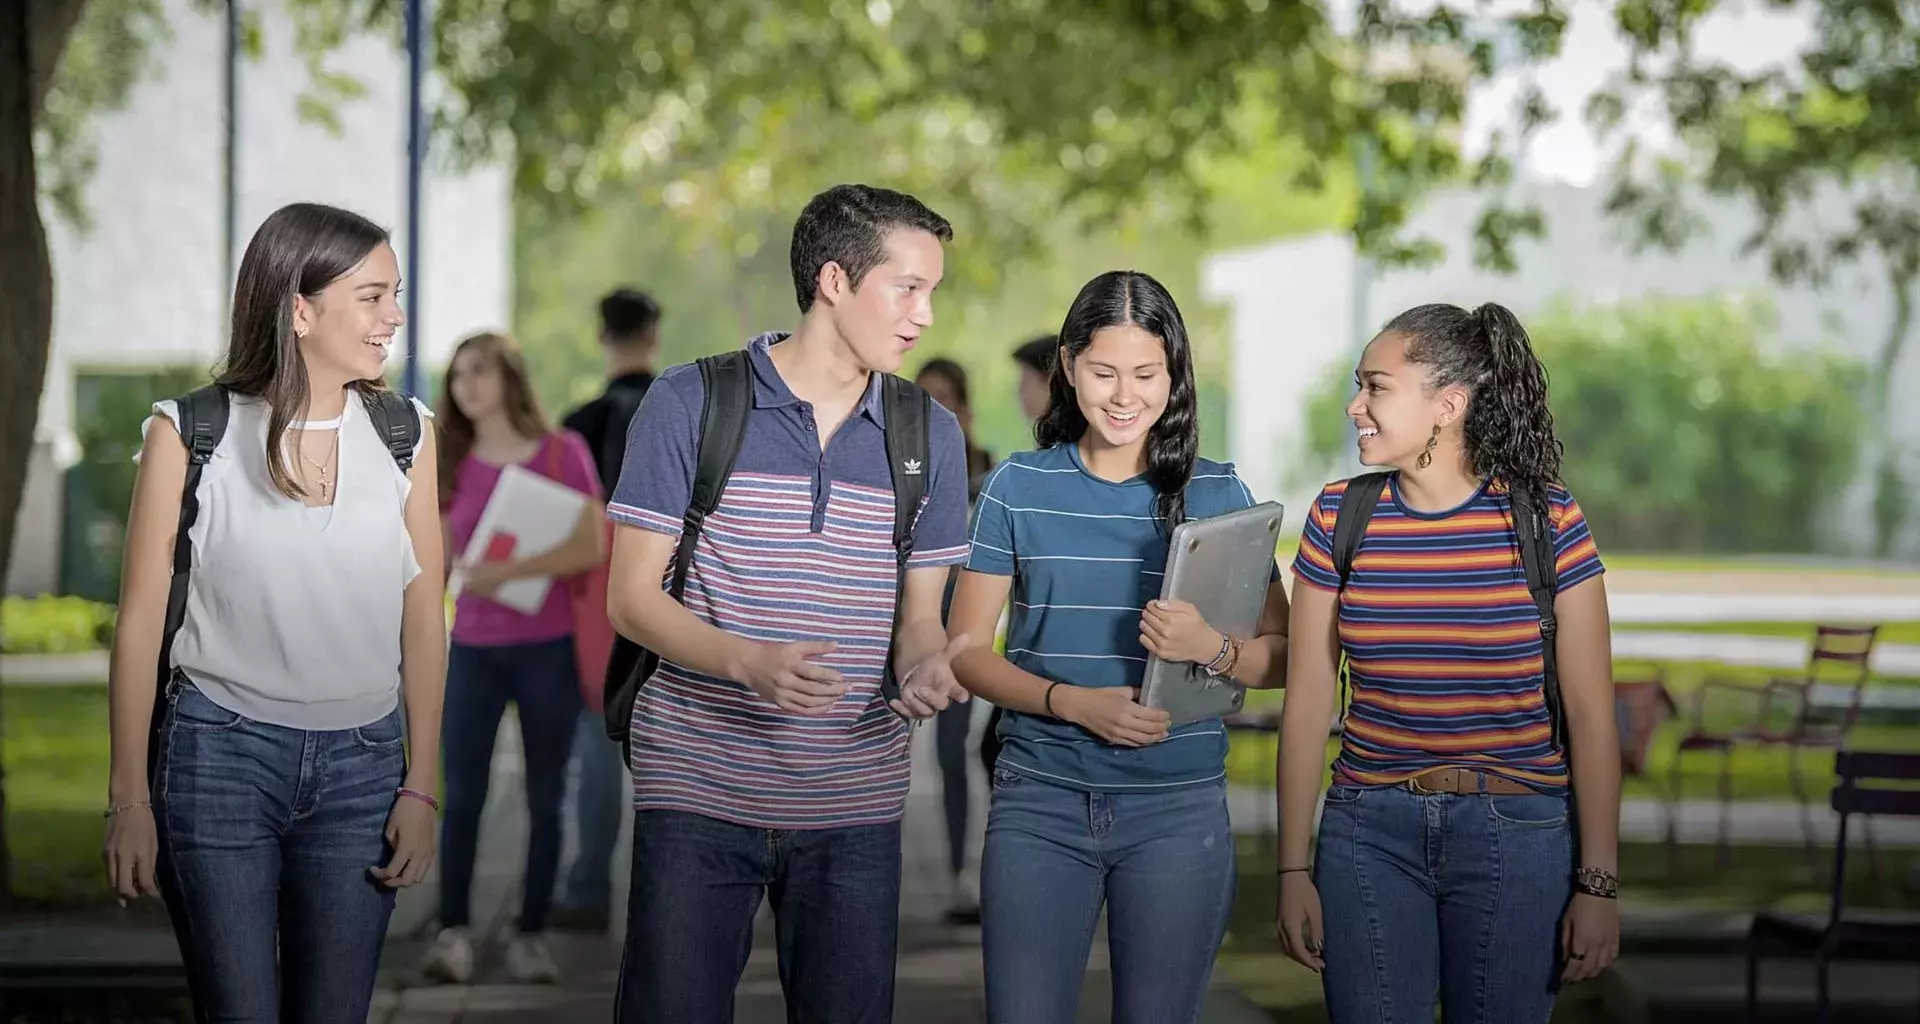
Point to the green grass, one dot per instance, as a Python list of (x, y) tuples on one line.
[(1890, 632), (1758, 773), (56, 761), (1756, 877)]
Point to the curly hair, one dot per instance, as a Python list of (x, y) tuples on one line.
[(1509, 427), (1130, 297)]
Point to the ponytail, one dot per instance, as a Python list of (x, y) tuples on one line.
[(1508, 432)]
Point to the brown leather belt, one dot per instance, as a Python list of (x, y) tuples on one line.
[(1466, 780)]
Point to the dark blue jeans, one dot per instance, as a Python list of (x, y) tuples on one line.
[(266, 837), (697, 883), (543, 684), (1455, 894), (1162, 863)]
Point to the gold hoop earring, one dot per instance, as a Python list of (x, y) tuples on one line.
[(1426, 456)]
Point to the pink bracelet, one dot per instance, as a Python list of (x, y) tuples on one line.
[(425, 798)]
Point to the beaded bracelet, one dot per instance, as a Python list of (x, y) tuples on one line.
[(1226, 648)]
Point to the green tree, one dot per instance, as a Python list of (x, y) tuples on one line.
[(1834, 128)]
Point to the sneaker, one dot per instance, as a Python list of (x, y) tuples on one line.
[(530, 961), (963, 908), (451, 959)]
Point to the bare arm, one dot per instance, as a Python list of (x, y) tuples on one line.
[(1583, 649), (642, 610), (146, 575), (977, 602), (1312, 662), (920, 632), (423, 623), (1263, 659)]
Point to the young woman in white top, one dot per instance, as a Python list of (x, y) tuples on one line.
[(275, 806)]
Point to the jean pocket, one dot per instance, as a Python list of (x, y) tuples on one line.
[(384, 734), (193, 711), (1530, 810), (1344, 794)]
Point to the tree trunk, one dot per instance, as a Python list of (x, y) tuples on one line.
[(33, 33), (1890, 505)]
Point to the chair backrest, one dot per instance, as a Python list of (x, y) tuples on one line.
[(1863, 789), (1841, 656), (1641, 703)]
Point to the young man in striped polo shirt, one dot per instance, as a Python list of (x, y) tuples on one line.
[(764, 758)]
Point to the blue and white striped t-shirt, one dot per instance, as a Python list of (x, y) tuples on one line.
[(1086, 556)]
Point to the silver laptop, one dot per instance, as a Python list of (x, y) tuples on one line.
[(1222, 566)]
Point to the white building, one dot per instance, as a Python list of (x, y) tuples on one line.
[(143, 289)]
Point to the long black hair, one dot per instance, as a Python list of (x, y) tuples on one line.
[(1113, 299), (1509, 429)]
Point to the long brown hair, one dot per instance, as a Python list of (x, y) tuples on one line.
[(298, 251), (516, 392)]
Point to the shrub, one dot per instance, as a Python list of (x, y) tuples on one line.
[(54, 625)]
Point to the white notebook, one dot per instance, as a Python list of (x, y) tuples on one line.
[(527, 515)]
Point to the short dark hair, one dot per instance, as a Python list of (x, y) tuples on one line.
[(1038, 354), (627, 314), (955, 374), (848, 225)]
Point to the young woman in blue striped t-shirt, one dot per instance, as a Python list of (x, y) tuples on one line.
[(1095, 799)]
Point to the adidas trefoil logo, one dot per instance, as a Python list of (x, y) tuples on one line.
[(911, 467)]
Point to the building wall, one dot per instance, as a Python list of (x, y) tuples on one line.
[(143, 288)]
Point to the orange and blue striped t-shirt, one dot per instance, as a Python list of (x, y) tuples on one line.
[(1441, 637)]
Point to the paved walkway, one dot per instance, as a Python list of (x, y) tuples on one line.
[(939, 979)]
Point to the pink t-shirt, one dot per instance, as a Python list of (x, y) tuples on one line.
[(480, 621)]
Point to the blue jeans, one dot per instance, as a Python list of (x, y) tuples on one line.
[(266, 837), (1162, 863), (950, 742), (697, 883), (542, 682), (600, 796), (1455, 894)]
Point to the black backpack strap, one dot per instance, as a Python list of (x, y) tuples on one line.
[(1533, 533), (728, 382), (903, 404), (203, 422), (398, 424), (1350, 526), (1357, 503)]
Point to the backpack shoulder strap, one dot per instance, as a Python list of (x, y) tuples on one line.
[(202, 416), (727, 382), (398, 424), (1533, 534), (903, 405), (1350, 526)]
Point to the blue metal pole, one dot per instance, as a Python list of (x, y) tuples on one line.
[(416, 160)]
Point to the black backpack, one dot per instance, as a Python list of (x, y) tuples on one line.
[(203, 422), (728, 380), (1534, 536)]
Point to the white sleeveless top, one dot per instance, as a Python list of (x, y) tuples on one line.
[(293, 613)]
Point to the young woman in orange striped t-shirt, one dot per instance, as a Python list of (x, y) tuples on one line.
[(1451, 860)]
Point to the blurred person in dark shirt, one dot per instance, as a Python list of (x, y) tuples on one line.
[(946, 382), (630, 336)]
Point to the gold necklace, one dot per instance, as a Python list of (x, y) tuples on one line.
[(326, 481)]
